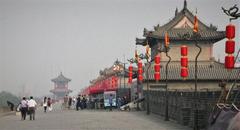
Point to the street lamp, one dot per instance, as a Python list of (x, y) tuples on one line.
[(139, 72), (166, 49), (160, 49), (196, 36), (147, 57)]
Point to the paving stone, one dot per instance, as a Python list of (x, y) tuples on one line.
[(89, 120)]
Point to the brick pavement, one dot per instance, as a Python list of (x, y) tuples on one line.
[(89, 120)]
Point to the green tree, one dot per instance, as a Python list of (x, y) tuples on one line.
[(6, 96)]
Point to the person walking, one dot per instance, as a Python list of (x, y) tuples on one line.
[(78, 102), (45, 104), (31, 108), (49, 104), (23, 108), (110, 101), (65, 101), (84, 102), (69, 102)]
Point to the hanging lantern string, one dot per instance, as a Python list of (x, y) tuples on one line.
[(230, 73), (230, 34)]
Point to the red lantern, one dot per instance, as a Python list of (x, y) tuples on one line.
[(184, 50), (184, 72), (139, 64), (140, 77), (230, 31), (130, 68), (230, 46), (113, 82), (184, 62), (130, 80), (229, 62), (157, 59), (130, 74), (140, 71), (157, 67), (157, 76)]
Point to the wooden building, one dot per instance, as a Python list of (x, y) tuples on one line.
[(210, 72)]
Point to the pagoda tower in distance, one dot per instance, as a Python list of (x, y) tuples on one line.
[(60, 86)]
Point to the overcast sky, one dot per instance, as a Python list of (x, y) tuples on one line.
[(41, 38)]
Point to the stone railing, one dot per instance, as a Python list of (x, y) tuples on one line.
[(4, 109)]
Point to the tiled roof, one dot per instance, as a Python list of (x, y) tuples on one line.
[(207, 70), (61, 78), (206, 32)]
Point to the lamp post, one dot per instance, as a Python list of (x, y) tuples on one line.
[(166, 80), (131, 61), (147, 57), (164, 49), (136, 60), (196, 36)]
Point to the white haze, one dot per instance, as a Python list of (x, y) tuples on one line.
[(41, 38)]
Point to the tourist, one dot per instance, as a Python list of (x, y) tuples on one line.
[(69, 102), (23, 108), (84, 102), (119, 102), (31, 108), (49, 104), (81, 102), (110, 101), (78, 102), (65, 101), (45, 104), (74, 101)]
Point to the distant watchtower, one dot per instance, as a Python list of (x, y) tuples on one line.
[(60, 86)]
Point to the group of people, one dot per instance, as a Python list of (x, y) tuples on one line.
[(122, 101), (79, 102), (68, 102), (47, 103), (27, 106)]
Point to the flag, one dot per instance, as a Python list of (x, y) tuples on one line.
[(195, 28), (166, 39)]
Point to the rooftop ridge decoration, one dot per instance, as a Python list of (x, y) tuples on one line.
[(232, 12), (180, 28), (61, 78)]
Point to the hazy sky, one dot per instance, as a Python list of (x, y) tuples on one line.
[(41, 38)]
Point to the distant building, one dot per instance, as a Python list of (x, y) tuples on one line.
[(60, 86)]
